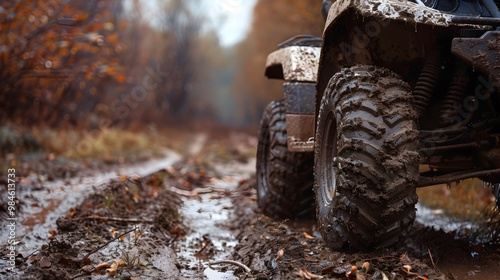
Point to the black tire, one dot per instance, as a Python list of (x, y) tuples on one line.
[(366, 160), (496, 193), (284, 179)]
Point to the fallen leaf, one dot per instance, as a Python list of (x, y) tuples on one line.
[(70, 215), (307, 235), (281, 253), (176, 231), (32, 258), (88, 268), (407, 267), (308, 275), (123, 178), (353, 271), (121, 262), (171, 170), (112, 270), (97, 218), (101, 266), (45, 262), (200, 254), (366, 267), (228, 179), (53, 232)]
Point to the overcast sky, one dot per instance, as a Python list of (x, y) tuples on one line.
[(231, 19)]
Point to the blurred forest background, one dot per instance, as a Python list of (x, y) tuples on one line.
[(109, 79), (93, 65)]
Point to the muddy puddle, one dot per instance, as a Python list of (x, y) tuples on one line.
[(460, 247), (437, 219), (210, 238)]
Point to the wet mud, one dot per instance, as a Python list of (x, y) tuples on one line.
[(192, 217), (293, 249)]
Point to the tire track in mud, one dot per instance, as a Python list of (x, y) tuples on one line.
[(43, 204), (208, 218), (85, 238)]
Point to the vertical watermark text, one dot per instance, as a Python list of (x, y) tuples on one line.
[(10, 225)]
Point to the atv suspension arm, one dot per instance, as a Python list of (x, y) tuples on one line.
[(425, 181)]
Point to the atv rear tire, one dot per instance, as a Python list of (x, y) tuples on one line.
[(366, 160), (284, 178)]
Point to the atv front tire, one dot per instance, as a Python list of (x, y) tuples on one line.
[(366, 160), (496, 193), (284, 178)]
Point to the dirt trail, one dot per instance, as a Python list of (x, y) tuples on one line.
[(44, 202), (172, 218)]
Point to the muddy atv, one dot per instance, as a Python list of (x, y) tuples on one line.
[(395, 96)]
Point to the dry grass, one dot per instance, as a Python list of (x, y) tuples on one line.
[(205, 144), (106, 143)]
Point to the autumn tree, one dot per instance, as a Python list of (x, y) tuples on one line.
[(181, 30), (274, 21), (54, 54), (162, 61)]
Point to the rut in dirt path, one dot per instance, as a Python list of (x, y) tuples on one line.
[(207, 215), (42, 205)]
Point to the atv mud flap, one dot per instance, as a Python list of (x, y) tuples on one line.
[(299, 106), (483, 54)]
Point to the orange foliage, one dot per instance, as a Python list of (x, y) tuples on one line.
[(45, 50)]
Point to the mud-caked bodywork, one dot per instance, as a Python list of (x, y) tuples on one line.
[(297, 66), (404, 96)]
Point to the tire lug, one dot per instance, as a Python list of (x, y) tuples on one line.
[(336, 163)]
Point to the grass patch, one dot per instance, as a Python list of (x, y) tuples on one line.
[(105, 143), (204, 146)]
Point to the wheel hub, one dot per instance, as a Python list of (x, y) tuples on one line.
[(329, 153)]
